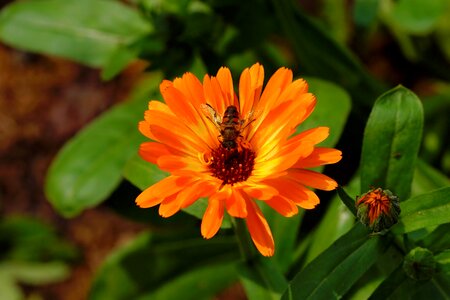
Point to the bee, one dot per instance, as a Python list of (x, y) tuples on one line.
[(230, 125)]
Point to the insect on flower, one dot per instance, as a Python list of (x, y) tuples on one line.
[(235, 149), (230, 126)]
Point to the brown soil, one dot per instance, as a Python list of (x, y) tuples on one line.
[(43, 102)]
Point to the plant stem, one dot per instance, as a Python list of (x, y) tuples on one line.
[(245, 244)]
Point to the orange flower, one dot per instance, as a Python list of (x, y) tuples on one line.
[(237, 155)]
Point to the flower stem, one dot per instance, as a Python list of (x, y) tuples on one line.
[(245, 244)]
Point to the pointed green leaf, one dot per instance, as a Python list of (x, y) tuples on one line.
[(87, 31), (333, 272), (336, 222), (154, 265), (391, 142), (425, 210), (262, 279), (427, 178), (89, 167), (319, 55)]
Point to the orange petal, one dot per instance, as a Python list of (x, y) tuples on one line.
[(173, 163), (260, 191), (310, 201), (195, 191), (226, 84), (213, 94), (235, 204), (176, 140), (276, 84), (283, 206), (320, 156), (191, 87), (267, 129), (313, 179), (250, 87), (294, 90), (286, 158), (159, 191), (294, 191), (212, 219), (160, 106), (180, 106), (259, 229), (151, 151), (315, 135), (169, 206), (144, 128)]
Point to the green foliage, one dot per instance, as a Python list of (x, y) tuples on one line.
[(330, 257), (167, 266), (90, 166), (391, 142), (31, 254), (88, 31)]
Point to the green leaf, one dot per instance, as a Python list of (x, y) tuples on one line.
[(33, 273), (391, 142), (31, 240), (89, 167), (142, 173), (427, 178), (332, 109), (200, 283), (87, 31), (365, 12), (416, 16), (9, 289), (160, 265), (285, 233), (424, 211), (333, 272), (262, 279), (438, 239), (336, 222), (319, 55)]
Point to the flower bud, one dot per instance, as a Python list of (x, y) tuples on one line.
[(378, 209), (419, 264)]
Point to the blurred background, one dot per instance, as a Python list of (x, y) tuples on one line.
[(47, 95)]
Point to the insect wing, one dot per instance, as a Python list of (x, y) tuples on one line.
[(211, 114)]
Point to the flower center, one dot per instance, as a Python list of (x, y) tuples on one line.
[(232, 165)]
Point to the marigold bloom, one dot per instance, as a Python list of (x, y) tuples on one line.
[(235, 158)]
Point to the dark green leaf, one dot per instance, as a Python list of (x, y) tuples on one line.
[(151, 265), (390, 284), (199, 283), (438, 239), (262, 279), (365, 12), (336, 222), (391, 142), (87, 31), (427, 178), (321, 56), (285, 232), (333, 272), (424, 211), (89, 167), (332, 109)]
